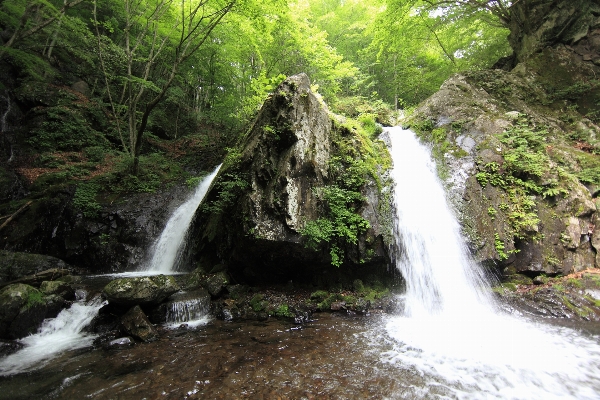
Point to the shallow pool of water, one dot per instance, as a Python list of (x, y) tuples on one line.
[(336, 357)]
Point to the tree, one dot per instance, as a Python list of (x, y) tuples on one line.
[(159, 36)]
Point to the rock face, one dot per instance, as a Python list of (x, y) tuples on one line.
[(114, 240), (536, 25), (140, 291), (522, 145), (267, 190)]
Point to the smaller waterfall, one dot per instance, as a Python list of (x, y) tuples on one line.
[(56, 335), (169, 246), (189, 309)]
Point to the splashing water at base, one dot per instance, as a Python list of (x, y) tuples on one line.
[(450, 330), (168, 247), (56, 335)]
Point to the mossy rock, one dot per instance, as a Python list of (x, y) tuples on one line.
[(140, 290), (22, 310)]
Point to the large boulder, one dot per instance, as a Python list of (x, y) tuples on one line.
[(272, 185), (16, 265), (22, 310), (140, 290), (136, 324)]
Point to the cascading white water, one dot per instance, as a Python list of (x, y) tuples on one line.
[(450, 330), (56, 335), (192, 312), (168, 247)]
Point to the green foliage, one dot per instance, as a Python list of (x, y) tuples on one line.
[(499, 245), (85, 199), (258, 303), (283, 311), (229, 187), (65, 129), (342, 222)]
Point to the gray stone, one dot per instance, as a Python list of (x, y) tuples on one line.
[(59, 288), (140, 290), (136, 324), (120, 343), (216, 283)]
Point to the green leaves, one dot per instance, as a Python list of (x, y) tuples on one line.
[(343, 223)]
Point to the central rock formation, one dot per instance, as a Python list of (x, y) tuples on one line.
[(270, 187)]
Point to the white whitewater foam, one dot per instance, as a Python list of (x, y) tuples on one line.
[(450, 331), (191, 312), (56, 335), (167, 248)]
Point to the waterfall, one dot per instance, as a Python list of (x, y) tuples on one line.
[(168, 249), (56, 335), (188, 309), (450, 329)]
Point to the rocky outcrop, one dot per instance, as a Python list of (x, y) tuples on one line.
[(522, 146), (140, 291), (536, 25), (114, 240), (271, 187)]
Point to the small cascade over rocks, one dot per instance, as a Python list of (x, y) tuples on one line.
[(55, 336), (167, 250), (450, 330), (190, 310)]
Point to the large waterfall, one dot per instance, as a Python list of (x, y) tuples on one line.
[(169, 246), (450, 329)]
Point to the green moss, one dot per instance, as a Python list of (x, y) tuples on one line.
[(34, 297), (257, 303), (576, 283)]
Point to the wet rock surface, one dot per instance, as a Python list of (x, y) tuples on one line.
[(573, 297), (479, 116), (136, 324), (114, 240), (140, 290)]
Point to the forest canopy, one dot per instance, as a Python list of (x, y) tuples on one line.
[(166, 67)]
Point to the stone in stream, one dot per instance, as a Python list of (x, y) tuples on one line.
[(140, 290), (119, 343), (216, 283), (136, 324), (23, 308), (59, 288)]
